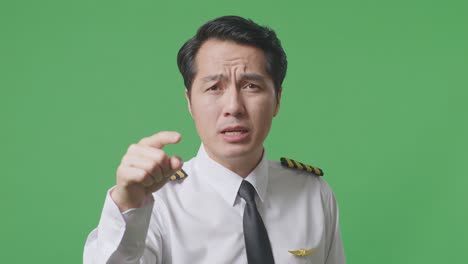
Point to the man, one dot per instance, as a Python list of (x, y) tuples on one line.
[(229, 204)]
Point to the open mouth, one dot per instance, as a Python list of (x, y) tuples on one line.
[(234, 132)]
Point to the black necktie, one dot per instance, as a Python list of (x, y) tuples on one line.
[(257, 243)]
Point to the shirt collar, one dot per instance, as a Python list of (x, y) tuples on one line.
[(227, 182)]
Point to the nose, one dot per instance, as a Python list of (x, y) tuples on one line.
[(233, 103)]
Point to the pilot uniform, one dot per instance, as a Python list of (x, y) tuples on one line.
[(197, 218)]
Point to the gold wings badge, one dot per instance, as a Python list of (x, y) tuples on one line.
[(302, 252)]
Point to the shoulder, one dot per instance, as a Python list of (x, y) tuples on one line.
[(288, 166), (288, 172), (296, 165)]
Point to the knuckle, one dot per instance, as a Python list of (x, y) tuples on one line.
[(143, 141), (123, 178), (158, 156), (157, 152), (162, 156), (141, 175), (132, 148), (119, 171), (125, 160), (122, 172)]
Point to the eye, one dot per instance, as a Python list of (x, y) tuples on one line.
[(251, 86), (213, 88)]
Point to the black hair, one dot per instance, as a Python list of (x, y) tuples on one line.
[(241, 31)]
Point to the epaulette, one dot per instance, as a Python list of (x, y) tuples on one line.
[(301, 166), (178, 175)]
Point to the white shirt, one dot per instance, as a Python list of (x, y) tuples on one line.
[(199, 219)]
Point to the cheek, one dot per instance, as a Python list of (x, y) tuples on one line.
[(264, 111), (204, 114), (266, 107)]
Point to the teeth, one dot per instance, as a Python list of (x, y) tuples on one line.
[(233, 133)]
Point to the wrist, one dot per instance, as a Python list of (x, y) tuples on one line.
[(124, 200)]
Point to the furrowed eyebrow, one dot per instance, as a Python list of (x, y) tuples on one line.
[(252, 77), (215, 77), (245, 76)]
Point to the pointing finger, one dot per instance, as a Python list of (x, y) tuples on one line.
[(159, 140)]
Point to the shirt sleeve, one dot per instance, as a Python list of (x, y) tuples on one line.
[(123, 238), (334, 242)]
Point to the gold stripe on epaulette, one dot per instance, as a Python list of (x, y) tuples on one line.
[(308, 168), (317, 171), (290, 163), (181, 174), (178, 175), (287, 162), (298, 165)]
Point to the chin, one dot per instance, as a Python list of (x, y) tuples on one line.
[(235, 151)]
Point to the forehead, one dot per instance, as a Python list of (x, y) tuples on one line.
[(220, 55)]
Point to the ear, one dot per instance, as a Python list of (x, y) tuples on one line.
[(278, 101), (187, 96)]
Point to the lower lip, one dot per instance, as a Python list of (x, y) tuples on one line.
[(237, 138)]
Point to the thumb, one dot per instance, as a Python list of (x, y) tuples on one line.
[(175, 163)]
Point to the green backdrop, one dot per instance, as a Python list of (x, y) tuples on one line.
[(375, 95)]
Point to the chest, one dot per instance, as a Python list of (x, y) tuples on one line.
[(206, 229)]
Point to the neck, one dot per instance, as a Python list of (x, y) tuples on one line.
[(243, 165)]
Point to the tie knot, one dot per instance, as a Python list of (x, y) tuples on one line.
[(247, 191)]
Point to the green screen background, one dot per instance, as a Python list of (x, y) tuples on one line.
[(375, 95)]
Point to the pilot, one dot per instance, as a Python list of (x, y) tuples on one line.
[(229, 203)]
